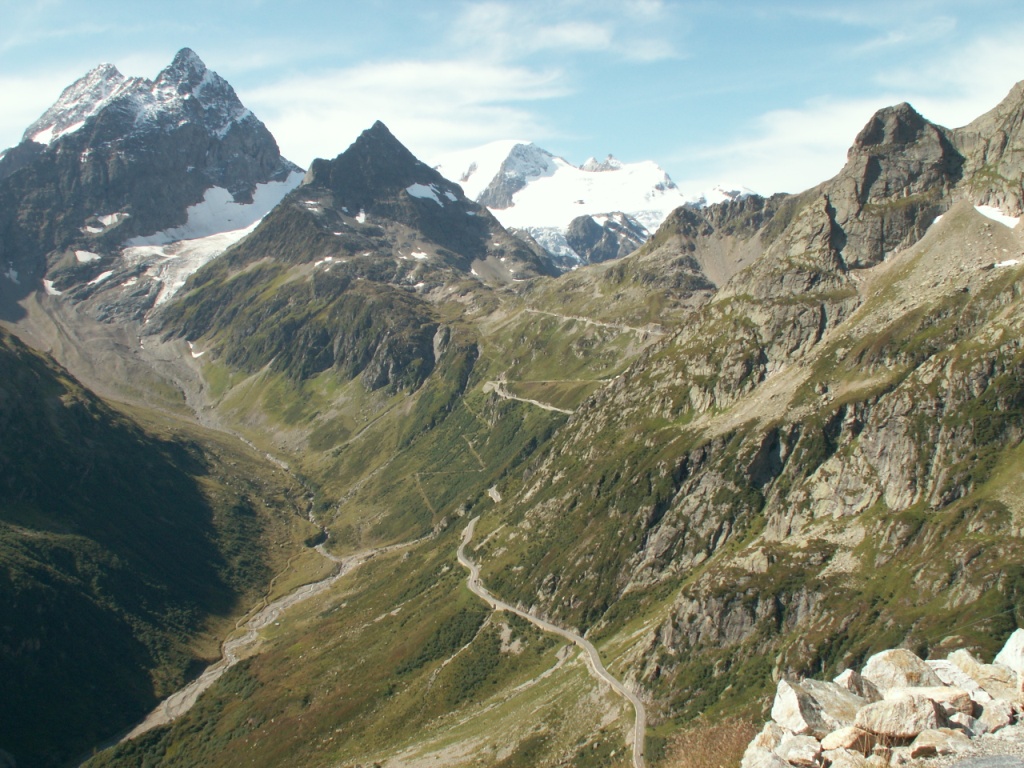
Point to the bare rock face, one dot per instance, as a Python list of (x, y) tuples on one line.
[(801, 751), (857, 684), (943, 741), (852, 738), (844, 758), (991, 146), (911, 722), (118, 158), (897, 171), (603, 238)]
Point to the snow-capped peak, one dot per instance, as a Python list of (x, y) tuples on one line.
[(719, 194), (78, 102), (160, 101), (474, 169)]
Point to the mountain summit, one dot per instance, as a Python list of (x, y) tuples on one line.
[(127, 161)]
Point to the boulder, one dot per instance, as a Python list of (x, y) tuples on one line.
[(801, 751), (844, 758), (770, 736), (760, 752), (851, 737), (950, 699), (900, 719), (899, 756), (995, 715), (970, 726), (996, 680), (942, 741), (950, 674), (855, 683), (755, 757), (815, 708), (898, 668), (1012, 654)]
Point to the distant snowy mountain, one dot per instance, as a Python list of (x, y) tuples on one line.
[(137, 164), (529, 189)]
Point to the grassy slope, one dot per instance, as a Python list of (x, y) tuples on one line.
[(125, 550)]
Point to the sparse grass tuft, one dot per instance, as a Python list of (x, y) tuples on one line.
[(720, 745)]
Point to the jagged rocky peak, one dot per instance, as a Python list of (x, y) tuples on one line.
[(79, 101), (901, 124), (376, 166), (524, 162), (899, 173), (610, 163), (129, 161), (186, 72)]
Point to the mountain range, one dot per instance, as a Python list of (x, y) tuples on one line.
[(780, 435)]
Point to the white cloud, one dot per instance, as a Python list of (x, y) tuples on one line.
[(23, 98), (957, 86), (794, 149), (786, 150), (432, 107)]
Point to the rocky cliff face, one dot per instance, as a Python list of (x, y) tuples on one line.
[(822, 439), (603, 238)]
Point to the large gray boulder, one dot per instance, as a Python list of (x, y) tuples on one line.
[(813, 707), (996, 680), (901, 719), (898, 668)]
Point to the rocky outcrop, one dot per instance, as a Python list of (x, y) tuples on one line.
[(813, 721), (993, 148), (605, 237), (524, 162)]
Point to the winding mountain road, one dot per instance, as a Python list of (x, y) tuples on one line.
[(597, 668), (499, 388), (181, 701)]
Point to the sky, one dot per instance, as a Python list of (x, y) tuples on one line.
[(766, 95)]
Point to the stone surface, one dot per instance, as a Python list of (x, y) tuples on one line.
[(950, 699), (813, 707), (855, 682), (756, 757), (996, 680), (951, 674), (943, 741), (902, 718), (770, 736), (995, 715), (803, 751), (898, 668), (1012, 653), (844, 758), (850, 737)]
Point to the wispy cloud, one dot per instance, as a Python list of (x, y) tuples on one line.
[(430, 106), (503, 31), (957, 85), (783, 150), (23, 98), (793, 149)]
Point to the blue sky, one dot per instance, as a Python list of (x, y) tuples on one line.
[(763, 94)]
